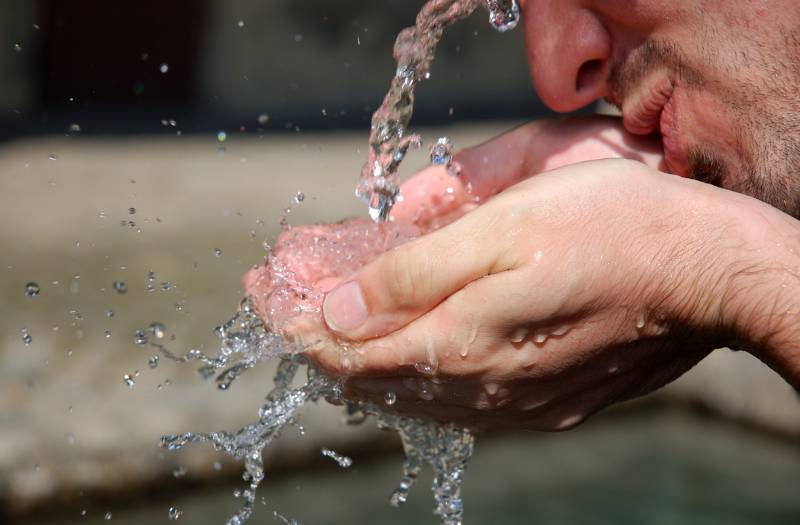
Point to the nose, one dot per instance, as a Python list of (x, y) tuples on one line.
[(569, 52)]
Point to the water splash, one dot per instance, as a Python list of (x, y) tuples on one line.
[(446, 448), (414, 50)]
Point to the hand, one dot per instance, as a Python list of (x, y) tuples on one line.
[(570, 291), (432, 199)]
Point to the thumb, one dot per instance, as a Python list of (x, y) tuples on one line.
[(411, 279)]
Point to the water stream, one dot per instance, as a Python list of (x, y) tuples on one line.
[(414, 51)]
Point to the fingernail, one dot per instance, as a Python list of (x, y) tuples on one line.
[(344, 308)]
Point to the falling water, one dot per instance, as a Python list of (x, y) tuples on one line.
[(414, 51)]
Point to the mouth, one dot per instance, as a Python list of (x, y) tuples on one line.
[(653, 111)]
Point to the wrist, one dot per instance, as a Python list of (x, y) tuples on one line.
[(760, 301)]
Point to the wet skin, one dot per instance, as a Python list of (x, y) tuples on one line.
[(637, 300), (562, 284)]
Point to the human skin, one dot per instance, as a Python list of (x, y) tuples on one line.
[(598, 281)]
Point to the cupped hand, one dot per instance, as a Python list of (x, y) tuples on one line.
[(532, 307), (563, 294)]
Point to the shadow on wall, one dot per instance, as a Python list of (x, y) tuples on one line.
[(122, 67)]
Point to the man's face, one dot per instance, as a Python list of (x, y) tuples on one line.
[(720, 80)]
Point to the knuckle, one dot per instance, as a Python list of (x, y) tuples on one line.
[(408, 279)]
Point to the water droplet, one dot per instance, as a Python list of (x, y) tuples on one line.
[(26, 337), (74, 128), (341, 460), (240, 23), (299, 197), (263, 119), (424, 368), (129, 380), (132, 211), (179, 472), (140, 338), (519, 335), (52, 156), (153, 362), (107, 334), (491, 388), (562, 329), (32, 289), (390, 398), (174, 513), (158, 330), (70, 437), (442, 152), (217, 252), (110, 313), (108, 516), (217, 466), (398, 498), (640, 321), (164, 67), (503, 14), (17, 47), (120, 287), (298, 37), (222, 136)]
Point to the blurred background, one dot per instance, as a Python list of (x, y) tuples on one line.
[(157, 144)]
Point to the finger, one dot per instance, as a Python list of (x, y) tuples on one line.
[(483, 170), (409, 280), (493, 166), (506, 327), (549, 144), (466, 337), (505, 160), (429, 194)]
